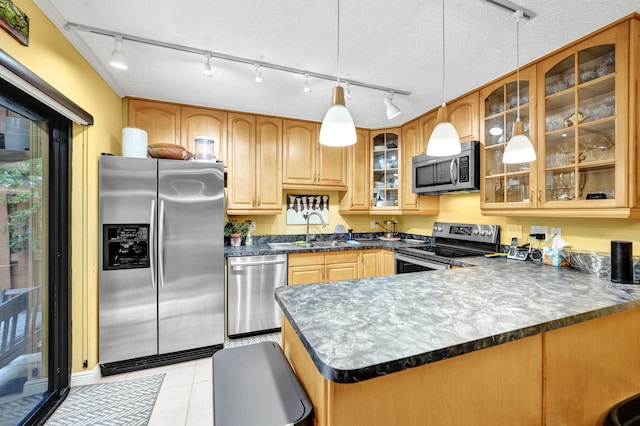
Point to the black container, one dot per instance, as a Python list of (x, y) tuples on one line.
[(622, 262)]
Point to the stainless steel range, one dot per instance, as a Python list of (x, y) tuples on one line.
[(451, 240)]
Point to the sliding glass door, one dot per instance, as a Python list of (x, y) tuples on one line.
[(34, 355)]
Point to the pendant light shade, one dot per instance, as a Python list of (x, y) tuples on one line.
[(337, 127), (444, 139), (519, 149)]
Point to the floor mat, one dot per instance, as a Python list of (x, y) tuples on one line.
[(127, 402)]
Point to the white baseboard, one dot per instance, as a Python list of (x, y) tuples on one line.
[(87, 377), (37, 386)]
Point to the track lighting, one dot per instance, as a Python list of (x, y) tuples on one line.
[(392, 109), (307, 89), (258, 74), (118, 60), (207, 66), (348, 94)]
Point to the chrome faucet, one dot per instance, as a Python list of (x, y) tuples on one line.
[(321, 220)]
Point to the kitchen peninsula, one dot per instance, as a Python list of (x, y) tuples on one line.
[(501, 342)]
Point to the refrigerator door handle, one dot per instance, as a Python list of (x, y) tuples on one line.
[(161, 245), (151, 244)]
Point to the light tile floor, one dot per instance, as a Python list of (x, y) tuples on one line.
[(186, 394)]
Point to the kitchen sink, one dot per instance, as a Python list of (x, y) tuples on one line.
[(312, 244)]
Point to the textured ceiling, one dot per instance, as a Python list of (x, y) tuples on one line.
[(395, 44)]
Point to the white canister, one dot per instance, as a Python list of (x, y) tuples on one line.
[(134, 142), (204, 148)]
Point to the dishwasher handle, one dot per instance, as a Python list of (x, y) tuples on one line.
[(266, 262)]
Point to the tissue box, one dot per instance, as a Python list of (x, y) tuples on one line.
[(555, 257)]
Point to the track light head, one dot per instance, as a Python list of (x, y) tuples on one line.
[(391, 108), (118, 60), (258, 74), (207, 66), (307, 89)]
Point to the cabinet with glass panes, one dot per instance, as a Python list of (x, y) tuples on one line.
[(384, 169), (583, 122), (582, 132), (506, 185)]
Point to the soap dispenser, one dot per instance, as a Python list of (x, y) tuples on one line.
[(249, 240)]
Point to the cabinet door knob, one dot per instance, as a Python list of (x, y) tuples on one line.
[(539, 196)]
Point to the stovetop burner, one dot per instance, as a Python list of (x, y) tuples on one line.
[(460, 240)]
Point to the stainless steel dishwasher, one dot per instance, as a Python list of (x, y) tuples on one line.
[(251, 305)]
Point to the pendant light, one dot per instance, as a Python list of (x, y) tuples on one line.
[(337, 127), (444, 139), (519, 149)]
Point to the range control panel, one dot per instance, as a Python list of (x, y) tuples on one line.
[(467, 232)]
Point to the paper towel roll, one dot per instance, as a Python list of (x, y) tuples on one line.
[(134, 142)]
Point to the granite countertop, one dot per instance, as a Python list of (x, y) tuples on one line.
[(360, 329)]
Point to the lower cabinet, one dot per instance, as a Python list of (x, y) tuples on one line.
[(306, 268), (387, 263)]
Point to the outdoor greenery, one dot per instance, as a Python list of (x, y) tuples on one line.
[(22, 184)]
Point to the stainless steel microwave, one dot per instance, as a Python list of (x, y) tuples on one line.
[(440, 175)]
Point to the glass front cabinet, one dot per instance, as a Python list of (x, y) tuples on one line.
[(384, 169), (583, 132), (507, 186)]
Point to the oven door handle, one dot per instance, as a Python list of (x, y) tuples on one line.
[(421, 262)]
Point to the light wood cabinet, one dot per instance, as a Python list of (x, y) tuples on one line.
[(179, 124), (255, 165), (305, 268), (464, 115), (585, 133), (388, 263), (505, 186), (160, 120), (306, 163), (385, 177), (204, 122), (356, 199), (410, 146), (369, 263)]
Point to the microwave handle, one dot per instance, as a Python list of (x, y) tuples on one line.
[(453, 171)]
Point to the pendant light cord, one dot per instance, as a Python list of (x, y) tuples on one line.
[(338, 45), (517, 66), (443, 97)]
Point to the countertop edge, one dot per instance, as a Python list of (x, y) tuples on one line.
[(373, 371)]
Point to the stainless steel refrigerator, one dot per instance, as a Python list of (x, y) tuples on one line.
[(161, 279)]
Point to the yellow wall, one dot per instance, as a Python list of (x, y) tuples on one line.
[(52, 58)]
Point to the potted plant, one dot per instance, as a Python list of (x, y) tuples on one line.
[(235, 231)]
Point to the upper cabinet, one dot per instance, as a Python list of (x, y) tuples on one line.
[(204, 122), (179, 124), (306, 163), (385, 174), (585, 132), (356, 199), (506, 186), (255, 165), (410, 146), (160, 120), (464, 115)]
